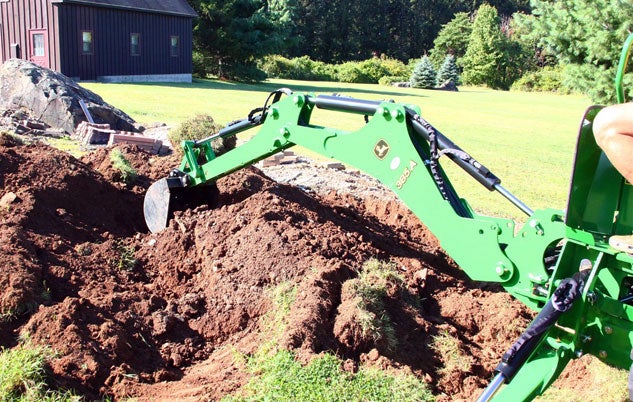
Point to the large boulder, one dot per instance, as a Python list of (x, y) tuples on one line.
[(54, 98), (449, 85)]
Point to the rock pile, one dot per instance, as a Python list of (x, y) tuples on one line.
[(54, 99), (23, 123)]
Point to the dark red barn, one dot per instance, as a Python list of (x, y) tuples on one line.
[(104, 40)]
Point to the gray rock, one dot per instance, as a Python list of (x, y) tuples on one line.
[(449, 86), (403, 84), (54, 98)]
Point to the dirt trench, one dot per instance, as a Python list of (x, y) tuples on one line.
[(152, 316)]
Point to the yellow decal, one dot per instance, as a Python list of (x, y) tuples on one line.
[(406, 173)]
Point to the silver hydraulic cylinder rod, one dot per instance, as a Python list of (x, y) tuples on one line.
[(513, 199), (492, 388)]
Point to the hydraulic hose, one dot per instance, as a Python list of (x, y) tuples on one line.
[(562, 300)]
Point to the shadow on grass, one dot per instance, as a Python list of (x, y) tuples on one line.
[(267, 87)]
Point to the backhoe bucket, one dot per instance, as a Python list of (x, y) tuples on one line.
[(163, 199), (156, 208)]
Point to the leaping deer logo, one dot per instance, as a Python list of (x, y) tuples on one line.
[(381, 149)]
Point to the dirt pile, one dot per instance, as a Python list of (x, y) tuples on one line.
[(151, 315)]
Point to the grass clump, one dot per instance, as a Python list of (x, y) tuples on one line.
[(67, 144), (126, 260), (123, 166), (376, 281), (274, 323), (199, 127), (24, 306), (281, 378), (23, 375), (449, 348)]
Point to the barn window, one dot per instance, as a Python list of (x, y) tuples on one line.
[(135, 47), (86, 42), (174, 49)]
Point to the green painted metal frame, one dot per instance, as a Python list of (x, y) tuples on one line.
[(486, 248), (624, 59)]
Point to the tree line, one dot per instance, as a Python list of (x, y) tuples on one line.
[(568, 45)]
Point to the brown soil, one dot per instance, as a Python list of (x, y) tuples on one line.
[(158, 316)]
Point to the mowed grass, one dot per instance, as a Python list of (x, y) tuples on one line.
[(526, 139)]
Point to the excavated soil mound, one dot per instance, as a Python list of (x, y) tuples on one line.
[(158, 315)]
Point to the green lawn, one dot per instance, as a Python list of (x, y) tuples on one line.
[(526, 139)]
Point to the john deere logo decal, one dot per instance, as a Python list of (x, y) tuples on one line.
[(381, 149)]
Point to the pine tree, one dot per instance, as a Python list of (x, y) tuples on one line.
[(587, 37), (424, 74), (284, 15), (483, 57), (233, 34), (452, 38), (448, 71)]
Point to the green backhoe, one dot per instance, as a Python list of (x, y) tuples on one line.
[(558, 263)]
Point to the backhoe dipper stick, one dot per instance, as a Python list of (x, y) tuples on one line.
[(469, 164), (232, 129)]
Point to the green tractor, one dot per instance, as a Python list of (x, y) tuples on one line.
[(559, 263)]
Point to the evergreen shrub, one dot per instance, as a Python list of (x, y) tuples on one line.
[(448, 71), (424, 74)]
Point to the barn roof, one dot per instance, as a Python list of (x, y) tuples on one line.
[(173, 7)]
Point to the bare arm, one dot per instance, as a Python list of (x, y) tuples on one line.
[(613, 130)]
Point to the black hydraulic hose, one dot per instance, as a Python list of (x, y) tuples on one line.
[(562, 300), (478, 171), (447, 191)]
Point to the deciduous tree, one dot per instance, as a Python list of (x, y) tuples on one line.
[(492, 58), (483, 57)]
